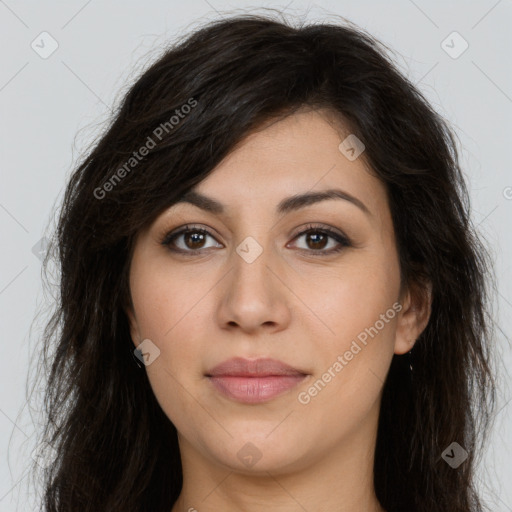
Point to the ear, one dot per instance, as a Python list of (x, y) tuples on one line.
[(134, 326), (413, 317)]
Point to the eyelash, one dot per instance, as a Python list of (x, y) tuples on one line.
[(343, 241)]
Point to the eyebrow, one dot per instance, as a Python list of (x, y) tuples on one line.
[(287, 205)]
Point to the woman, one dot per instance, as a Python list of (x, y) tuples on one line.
[(271, 293)]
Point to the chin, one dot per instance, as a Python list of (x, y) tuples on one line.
[(258, 455)]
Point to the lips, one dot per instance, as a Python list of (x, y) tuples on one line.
[(254, 381)]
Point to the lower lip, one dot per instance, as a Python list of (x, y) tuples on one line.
[(253, 390)]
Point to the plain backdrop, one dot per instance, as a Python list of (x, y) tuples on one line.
[(52, 107)]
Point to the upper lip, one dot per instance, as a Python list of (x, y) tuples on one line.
[(263, 367)]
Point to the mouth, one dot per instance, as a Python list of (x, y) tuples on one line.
[(254, 381)]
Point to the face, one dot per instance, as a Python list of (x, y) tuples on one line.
[(314, 286)]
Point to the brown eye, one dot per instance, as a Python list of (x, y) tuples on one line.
[(192, 239), (317, 239)]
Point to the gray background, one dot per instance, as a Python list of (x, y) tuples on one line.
[(52, 108)]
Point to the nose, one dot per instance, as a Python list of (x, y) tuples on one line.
[(255, 295)]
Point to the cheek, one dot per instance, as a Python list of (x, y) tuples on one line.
[(354, 342), (171, 314), (351, 299), (165, 301)]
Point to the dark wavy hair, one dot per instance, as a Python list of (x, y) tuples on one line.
[(115, 448)]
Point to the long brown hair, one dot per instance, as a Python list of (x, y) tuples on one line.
[(116, 449)]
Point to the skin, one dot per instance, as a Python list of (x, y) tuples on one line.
[(288, 304)]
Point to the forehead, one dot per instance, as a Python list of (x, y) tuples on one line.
[(293, 156)]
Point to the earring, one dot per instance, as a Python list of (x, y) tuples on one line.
[(410, 357)]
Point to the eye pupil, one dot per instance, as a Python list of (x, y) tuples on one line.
[(315, 244), (196, 237)]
